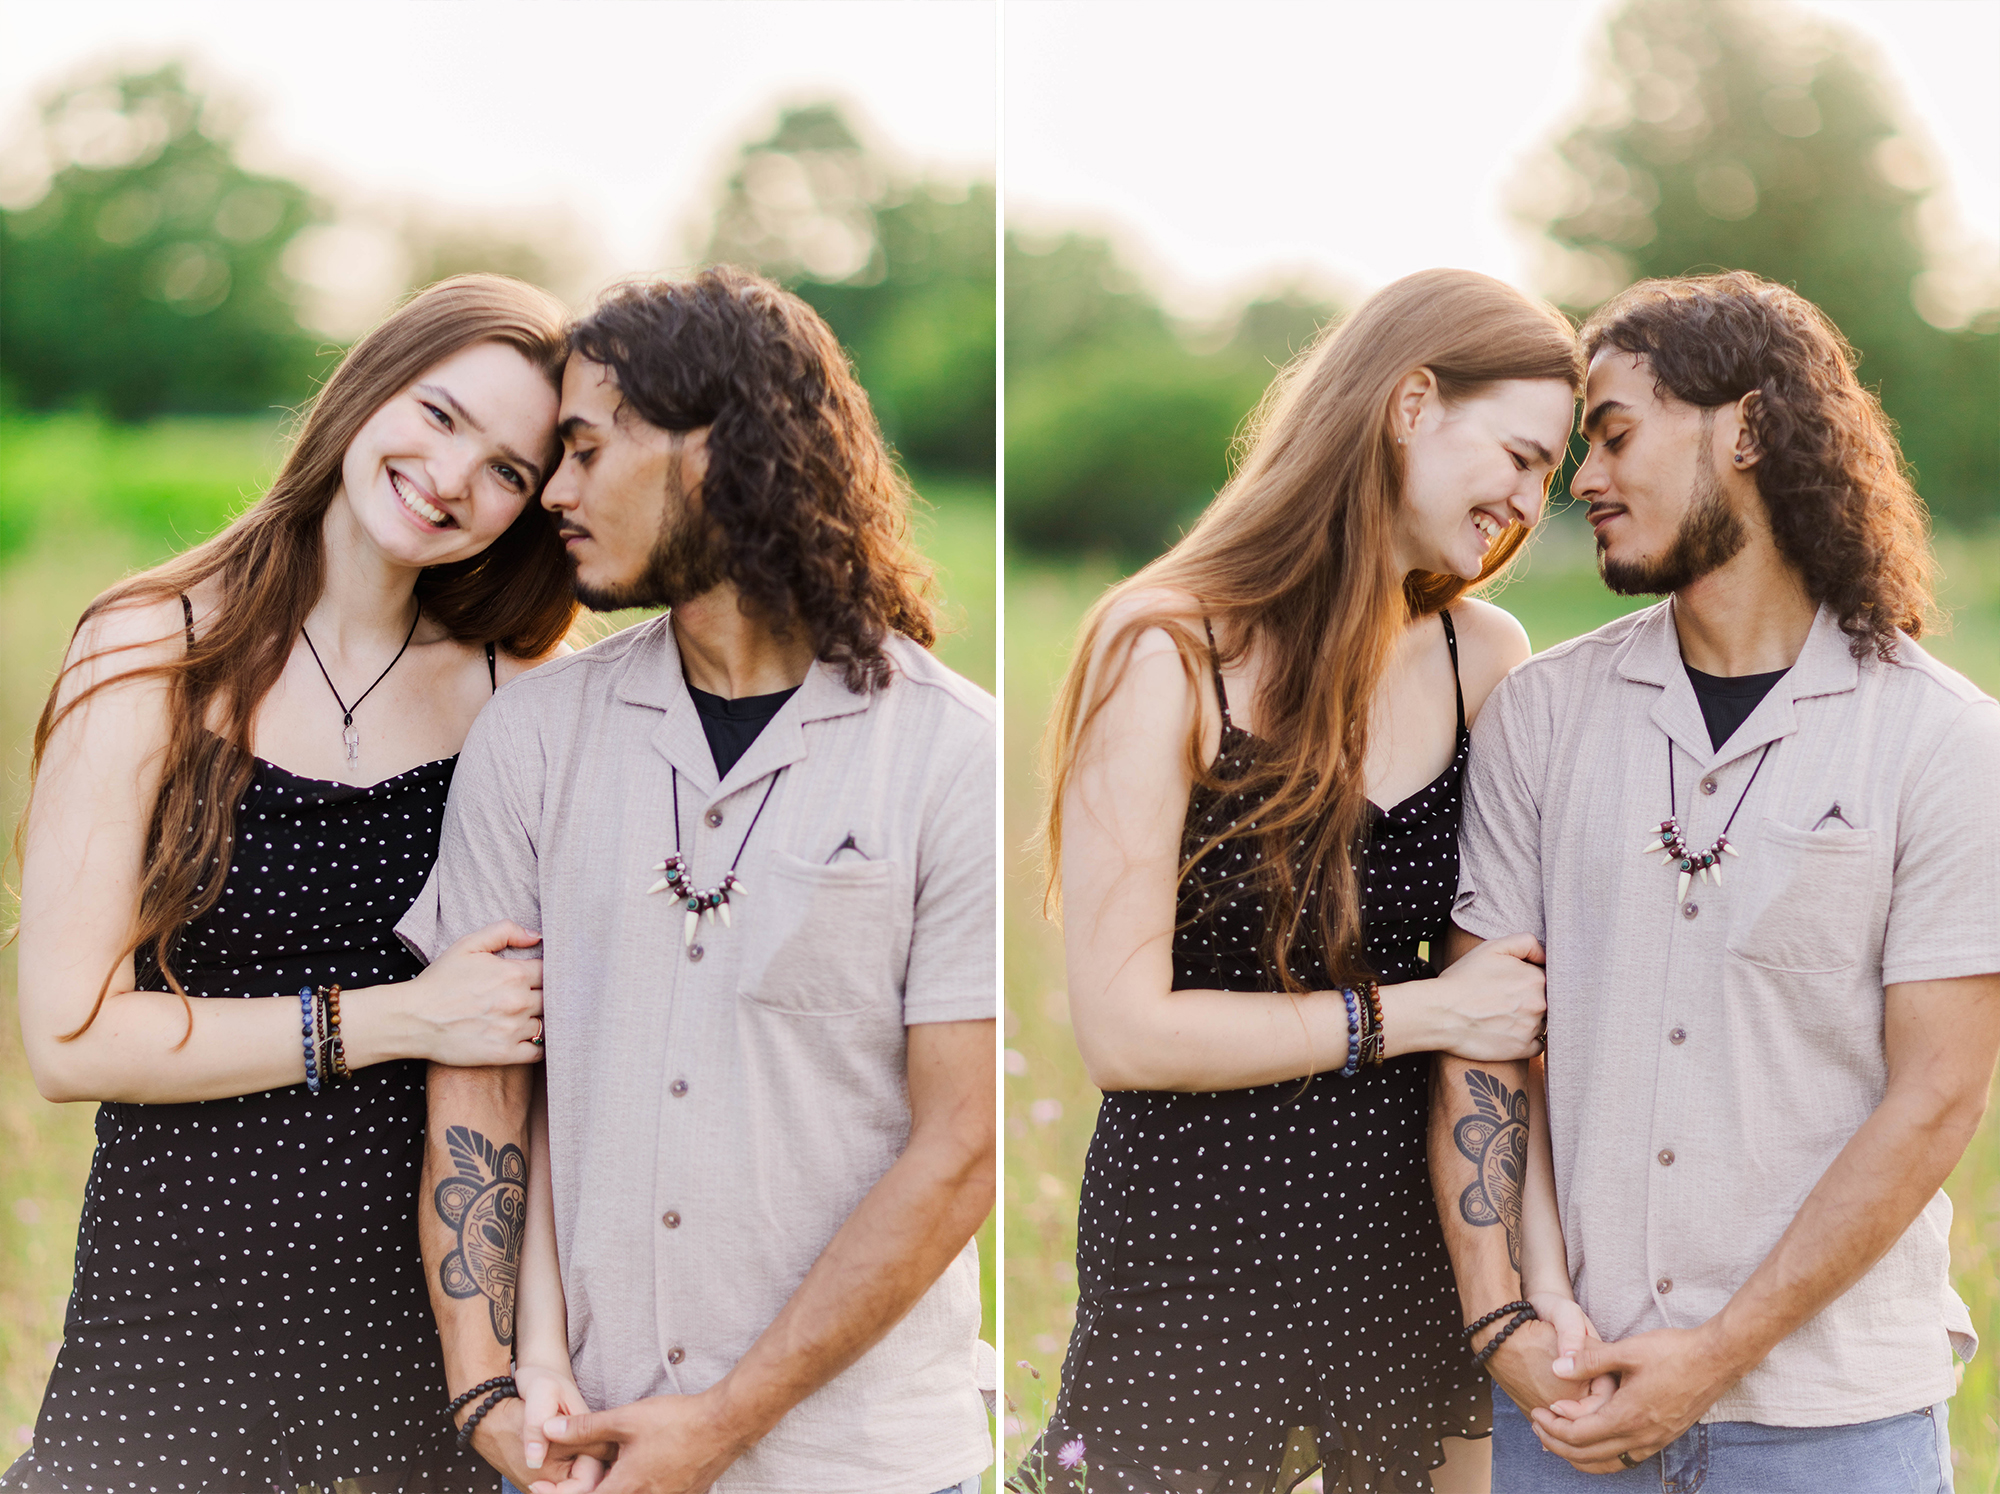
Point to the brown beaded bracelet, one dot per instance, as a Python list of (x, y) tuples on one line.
[(336, 1050), (1372, 1044)]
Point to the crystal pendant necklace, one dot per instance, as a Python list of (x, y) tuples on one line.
[(713, 901), (1705, 864), (350, 734)]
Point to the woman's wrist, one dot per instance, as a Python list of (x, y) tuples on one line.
[(375, 1025), (1409, 1022)]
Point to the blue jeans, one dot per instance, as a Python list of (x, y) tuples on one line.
[(970, 1486), (1907, 1454)]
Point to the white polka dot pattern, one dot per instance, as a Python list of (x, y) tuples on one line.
[(249, 1310), (1263, 1285)]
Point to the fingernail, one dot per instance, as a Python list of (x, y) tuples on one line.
[(556, 1426), (1564, 1366), (534, 1455)]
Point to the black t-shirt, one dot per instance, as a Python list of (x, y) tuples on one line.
[(1728, 699), (732, 725)]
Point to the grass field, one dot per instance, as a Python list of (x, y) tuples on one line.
[(80, 505), (1051, 1106)]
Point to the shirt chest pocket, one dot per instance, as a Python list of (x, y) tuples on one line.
[(1808, 903), (824, 937)]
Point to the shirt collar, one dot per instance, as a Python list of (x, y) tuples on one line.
[(1651, 655), (654, 679)]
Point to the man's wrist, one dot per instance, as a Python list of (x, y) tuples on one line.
[(1733, 1345), (740, 1414)]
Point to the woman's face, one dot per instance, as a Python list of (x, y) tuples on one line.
[(439, 471), (1474, 468)]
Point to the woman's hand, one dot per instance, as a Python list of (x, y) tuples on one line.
[(1573, 1330), (1488, 1006), (474, 1008), (547, 1392)]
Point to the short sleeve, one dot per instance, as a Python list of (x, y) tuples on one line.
[(1500, 837), (953, 972), (487, 867), (1944, 904)]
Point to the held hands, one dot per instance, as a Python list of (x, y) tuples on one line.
[(475, 1008), (1523, 1365), (667, 1444), (547, 1393), (1490, 1005), (1666, 1379)]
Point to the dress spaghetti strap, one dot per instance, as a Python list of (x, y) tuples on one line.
[(493, 667), (1451, 642), (187, 617), (1215, 668)]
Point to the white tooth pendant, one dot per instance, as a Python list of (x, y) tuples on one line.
[(690, 924), (724, 911), (1715, 871), (1681, 887), (660, 886)]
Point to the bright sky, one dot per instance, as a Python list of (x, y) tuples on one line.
[(1355, 142), (624, 113)]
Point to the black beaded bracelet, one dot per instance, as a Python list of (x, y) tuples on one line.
[(466, 1397), (1479, 1359), (504, 1393), (1496, 1315)]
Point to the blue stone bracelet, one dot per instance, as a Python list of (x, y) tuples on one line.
[(1353, 1033), (306, 999)]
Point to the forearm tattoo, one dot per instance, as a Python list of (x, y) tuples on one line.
[(1494, 1139), (485, 1203)]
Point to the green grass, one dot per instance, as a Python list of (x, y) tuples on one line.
[(1050, 1106), (81, 504)]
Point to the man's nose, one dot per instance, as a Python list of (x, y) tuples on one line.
[(1589, 480), (559, 496)]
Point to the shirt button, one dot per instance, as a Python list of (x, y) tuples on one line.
[(1678, 1036), (676, 1354), (680, 1086), (1667, 1157), (1708, 785), (1690, 910), (695, 953), (671, 1220), (713, 819), (1664, 1285)]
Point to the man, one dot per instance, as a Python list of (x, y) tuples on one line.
[(1765, 1055), (756, 836)]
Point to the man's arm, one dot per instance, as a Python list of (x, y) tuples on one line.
[(1941, 1037), (471, 1211), (897, 1242)]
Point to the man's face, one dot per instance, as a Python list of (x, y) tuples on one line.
[(1657, 503), (628, 499)]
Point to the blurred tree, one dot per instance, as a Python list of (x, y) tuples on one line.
[(1739, 134), (902, 272), (1118, 432), (146, 278)]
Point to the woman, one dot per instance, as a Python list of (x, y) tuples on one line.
[(1263, 1287), (241, 773)]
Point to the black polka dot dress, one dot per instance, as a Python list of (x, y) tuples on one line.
[(1263, 1283), (249, 1311)]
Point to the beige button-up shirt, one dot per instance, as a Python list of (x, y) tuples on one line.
[(717, 1111), (1708, 1060)]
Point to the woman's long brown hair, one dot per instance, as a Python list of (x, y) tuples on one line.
[(1295, 557), (268, 569)]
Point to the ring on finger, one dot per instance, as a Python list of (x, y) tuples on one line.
[(539, 1032), (1627, 1459)]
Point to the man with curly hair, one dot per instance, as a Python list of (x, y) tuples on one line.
[(756, 836), (1756, 828)]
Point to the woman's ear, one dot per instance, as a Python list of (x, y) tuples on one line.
[(1414, 391)]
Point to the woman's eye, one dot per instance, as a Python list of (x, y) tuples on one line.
[(436, 414), (512, 478), (1519, 464)]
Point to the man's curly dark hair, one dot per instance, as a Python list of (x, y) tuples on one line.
[(809, 508), (1834, 484)]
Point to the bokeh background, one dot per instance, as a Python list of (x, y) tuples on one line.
[(202, 204), (1188, 197)]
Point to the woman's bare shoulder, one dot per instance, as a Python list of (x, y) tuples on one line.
[(1491, 641)]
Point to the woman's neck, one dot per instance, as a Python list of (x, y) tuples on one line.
[(365, 597)]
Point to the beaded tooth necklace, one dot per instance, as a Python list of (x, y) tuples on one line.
[(713, 901), (350, 734), (1704, 864)]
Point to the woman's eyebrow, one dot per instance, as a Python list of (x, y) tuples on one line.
[(445, 397), (1541, 452)]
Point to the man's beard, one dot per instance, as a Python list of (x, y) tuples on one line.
[(1709, 538), (686, 560)]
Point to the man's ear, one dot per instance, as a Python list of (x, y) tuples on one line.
[(691, 456), (1744, 450)]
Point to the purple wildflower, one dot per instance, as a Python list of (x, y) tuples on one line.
[(1070, 1453)]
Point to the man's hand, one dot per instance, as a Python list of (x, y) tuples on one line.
[(666, 1444), (1522, 1365), (1666, 1379), (497, 1439)]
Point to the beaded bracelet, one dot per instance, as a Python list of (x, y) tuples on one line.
[(505, 1392), (1371, 993), (308, 1025), (336, 1050), (1496, 1315), (465, 1397), (1527, 1315), (1353, 1065)]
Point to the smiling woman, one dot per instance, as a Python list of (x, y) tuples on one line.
[(211, 870)]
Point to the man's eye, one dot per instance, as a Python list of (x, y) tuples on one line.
[(1615, 442)]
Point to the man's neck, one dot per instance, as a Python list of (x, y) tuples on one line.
[(1750, 616), (728, 652)]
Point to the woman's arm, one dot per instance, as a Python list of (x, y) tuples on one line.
[(541, 1345), (1122, 823), (83, 854)]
